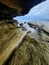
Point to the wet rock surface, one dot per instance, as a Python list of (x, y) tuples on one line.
[(31, 50), (29, 53), (10, 37), (17, 46)]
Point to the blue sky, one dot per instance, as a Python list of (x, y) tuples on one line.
[(39, 12)]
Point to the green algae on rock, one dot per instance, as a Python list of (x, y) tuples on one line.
[(29, 53)]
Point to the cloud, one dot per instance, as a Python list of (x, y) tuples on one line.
[(39, 12), (42, 8)]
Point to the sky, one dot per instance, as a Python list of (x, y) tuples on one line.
[(37, 13)]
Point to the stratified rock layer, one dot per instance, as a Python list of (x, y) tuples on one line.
[(10, 37), (18, 47), (29, 53)]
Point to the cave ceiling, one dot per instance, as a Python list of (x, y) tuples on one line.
[(12, 8)]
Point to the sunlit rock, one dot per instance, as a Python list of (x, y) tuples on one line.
[(18, 46)]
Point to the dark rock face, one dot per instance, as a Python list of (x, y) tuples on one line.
[(10, 9), (6, 12)]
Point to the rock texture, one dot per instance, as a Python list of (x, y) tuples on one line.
[(41, 29), (19, 46), (30, 52), (42, 36), (11, 37)]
